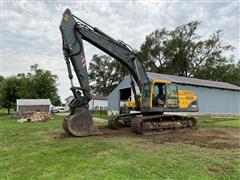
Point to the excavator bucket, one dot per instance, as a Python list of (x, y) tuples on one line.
[(80, 123)]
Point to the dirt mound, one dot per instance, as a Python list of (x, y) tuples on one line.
[(211, 137), (217, 138), (221, 170), (204, 137)]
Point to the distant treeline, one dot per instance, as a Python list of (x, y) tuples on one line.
[(37, 84)]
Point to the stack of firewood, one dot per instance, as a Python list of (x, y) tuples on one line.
[(32, 116)]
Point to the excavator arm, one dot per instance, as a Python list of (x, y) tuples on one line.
[(74, 31)]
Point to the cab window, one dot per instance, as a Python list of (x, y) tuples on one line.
[(172, 91)]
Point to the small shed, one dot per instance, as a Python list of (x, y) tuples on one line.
[(39, 105)]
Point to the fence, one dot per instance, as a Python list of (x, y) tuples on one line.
[(99, 110)]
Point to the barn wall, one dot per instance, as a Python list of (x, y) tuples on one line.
[(215, 101), (97, 103), (40, 108), (210, 100), (114, 96)]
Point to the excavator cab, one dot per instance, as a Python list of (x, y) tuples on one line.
[(164, 96), (159, 95)]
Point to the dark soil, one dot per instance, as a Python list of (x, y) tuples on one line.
[(221, 170), (217, 138), (211, 137)]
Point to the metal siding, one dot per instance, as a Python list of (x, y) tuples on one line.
[(40, 108), (114, 96), (216, 101), (210, 100), (33, 102), (113, 100), (97, 103)]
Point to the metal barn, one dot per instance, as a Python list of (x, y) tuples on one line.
[(39, 105), (213, 97)]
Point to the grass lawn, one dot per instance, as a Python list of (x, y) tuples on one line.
[(98, 115), (44, 151), (223, 122)]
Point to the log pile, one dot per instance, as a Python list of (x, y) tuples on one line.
[(32, 116)]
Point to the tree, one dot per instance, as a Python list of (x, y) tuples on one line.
[(182, 51), (9, 92), (227, 73), (2, 79), (105, 74), (44, 84), (39, 84), (26, 91)]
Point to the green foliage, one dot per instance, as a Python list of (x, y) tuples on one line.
[(44, 85), (105, 74), (185, 53), (38, 84), (9, 92), (224, 72), (2, 79)]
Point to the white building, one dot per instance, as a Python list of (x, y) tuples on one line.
[(96, 103), (39, 105)]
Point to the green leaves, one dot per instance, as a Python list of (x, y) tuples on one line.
[(9, 92), (105, 74), (184, 52)]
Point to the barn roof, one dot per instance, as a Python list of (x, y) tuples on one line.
[(99, 97), (95, 97), (32, 102), (193, 81)]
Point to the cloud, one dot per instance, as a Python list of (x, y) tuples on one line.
[(30, 30)]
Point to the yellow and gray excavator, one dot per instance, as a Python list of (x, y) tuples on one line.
[(156, 97)]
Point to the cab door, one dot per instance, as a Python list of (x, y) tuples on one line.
[(146, 95), (171, 96)]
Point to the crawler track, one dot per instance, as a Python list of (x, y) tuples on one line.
[(152, 124), (161, 123)]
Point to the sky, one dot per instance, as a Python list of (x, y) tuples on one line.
[(30, 29)]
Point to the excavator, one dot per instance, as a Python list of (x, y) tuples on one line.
[(156, 106)]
